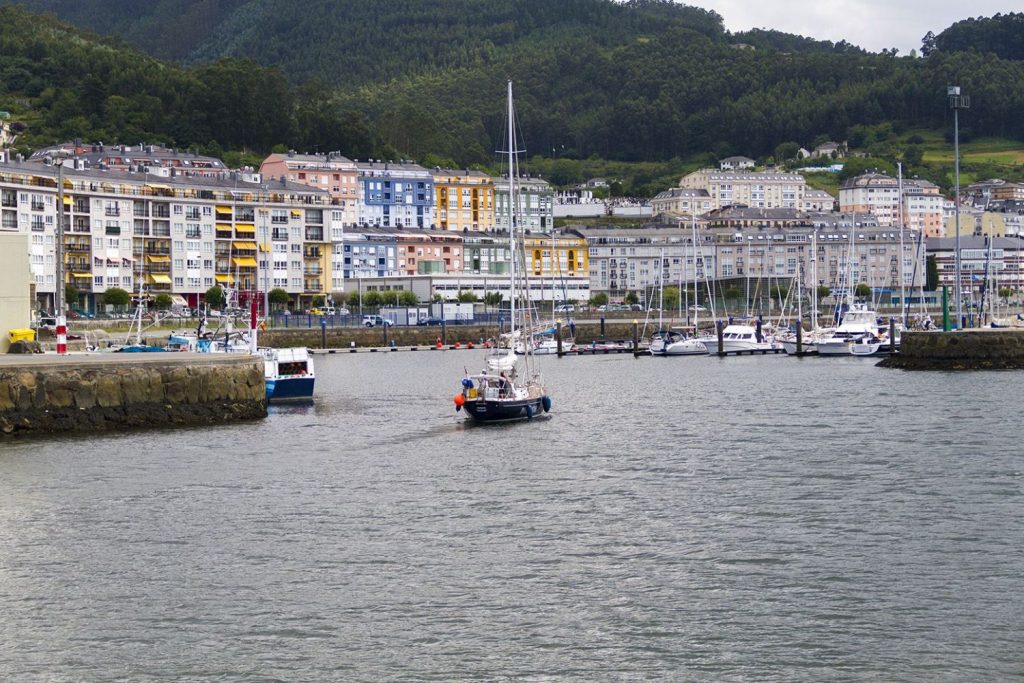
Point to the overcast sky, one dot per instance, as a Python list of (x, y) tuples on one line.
[(871, 24)]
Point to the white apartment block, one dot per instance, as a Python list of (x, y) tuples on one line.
[(170, 234), (762, 189), (537, 203), (878, 194)]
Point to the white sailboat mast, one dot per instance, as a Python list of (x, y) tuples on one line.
[(902, 271), (511, 220)]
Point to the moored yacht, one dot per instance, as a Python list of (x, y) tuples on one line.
[(858, 324)]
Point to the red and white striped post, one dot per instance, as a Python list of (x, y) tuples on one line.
[(253, 316), (62, 335)]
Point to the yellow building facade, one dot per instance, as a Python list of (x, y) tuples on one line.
[(464, 200), (558, 255)]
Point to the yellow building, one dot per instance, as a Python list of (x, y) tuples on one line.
[(464, 200), (571, 255), (15, 285)]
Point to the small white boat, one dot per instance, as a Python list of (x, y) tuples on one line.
[(859, 324), (676, 344), (739, 339)]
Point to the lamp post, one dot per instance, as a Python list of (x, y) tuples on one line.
[(956, 103)]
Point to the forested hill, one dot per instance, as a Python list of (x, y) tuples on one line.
[(645, 79)]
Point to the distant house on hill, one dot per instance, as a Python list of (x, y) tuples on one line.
[(829, 150), (735, 163)]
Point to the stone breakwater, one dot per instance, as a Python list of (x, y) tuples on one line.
[(343, 337), (999, 349), (50, 394)]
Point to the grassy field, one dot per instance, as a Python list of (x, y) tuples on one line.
[(999, 151)]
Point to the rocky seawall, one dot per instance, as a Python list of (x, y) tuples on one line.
[(999, 349), (50, 394)]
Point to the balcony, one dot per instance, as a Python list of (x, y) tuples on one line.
[(314, 234), (278, 220), (161, 231), (112, 211), (9, 202), (312, 272), (193, 234), (279, 235), (38, 206), (76, 247), (312, 252), (81, 206), (161, 211), (192, 215), (9, 224)]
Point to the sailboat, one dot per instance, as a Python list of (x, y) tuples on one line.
[(671, 342), (509, 387)]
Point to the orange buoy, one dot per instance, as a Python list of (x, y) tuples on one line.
[(438, 342), (458, 345), (460, 401), (469, 345)]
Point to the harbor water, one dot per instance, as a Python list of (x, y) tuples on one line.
[(754, 518)]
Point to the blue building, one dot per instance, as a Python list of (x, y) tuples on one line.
[(395, 195)]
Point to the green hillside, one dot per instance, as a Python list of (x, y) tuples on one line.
[(598, 83)]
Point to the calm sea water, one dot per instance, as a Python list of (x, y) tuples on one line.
[(763, 519)]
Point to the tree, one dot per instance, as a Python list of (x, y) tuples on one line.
[(670, 298), (599, 299), (913, 155), (467, 297), (786, 151), (928, 44), (70, 295), (116, 297), (1005, 293), (162, 302), (493, 298), (732, 293), (318, 301), (214, 297), (278, 297), (779, 291), (931, 274), (407, 298), (371, 298), (389, 298), (823, 291), (862, 290), (630, 298)]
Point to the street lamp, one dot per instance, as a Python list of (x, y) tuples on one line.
[(956, 103)]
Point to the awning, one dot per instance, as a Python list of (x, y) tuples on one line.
[(296, 214), (245, 245), (157, 258), (160, 278), (245, 227), (81, 275), (178, 299), (225, 278), (67, 200), (154, 186), (244, 262), (223, 209)]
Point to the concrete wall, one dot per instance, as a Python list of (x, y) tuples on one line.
[(15, 285), (342, 337), (50, 394)]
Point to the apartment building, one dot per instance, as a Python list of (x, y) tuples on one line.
[(178, 235), (1000, 259), (332, 173), (738, 250), (395, 195), (878, 194), (132, 158), (427, 252), (681, 201), (761, 189), (464, 200), (536, 201)]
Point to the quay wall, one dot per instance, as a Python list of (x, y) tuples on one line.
[(983, 349), (50, 394), (342, 337)]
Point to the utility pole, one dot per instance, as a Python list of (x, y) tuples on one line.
[(956, 103)]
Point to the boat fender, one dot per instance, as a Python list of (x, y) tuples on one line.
[(529, 412), (546, 403), (460, 400), (467, 382)]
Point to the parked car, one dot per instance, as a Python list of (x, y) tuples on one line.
[(429, 321), (565, 308), (48, 323), (375, 320)]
